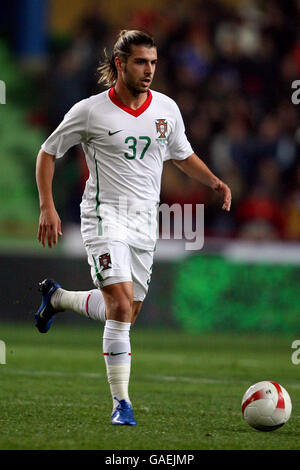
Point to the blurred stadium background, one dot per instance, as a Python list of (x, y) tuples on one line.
[(229, 65)]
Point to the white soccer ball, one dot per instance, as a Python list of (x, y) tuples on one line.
[(266, 406)]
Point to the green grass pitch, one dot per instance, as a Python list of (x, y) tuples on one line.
[(186, 390)]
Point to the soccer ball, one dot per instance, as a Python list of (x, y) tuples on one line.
[(266, 406)]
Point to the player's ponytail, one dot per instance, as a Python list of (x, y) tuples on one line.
[(107, 69)]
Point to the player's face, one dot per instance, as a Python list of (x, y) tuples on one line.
[(138, 70)]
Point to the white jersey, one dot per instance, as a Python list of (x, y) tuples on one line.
[(125, 150)]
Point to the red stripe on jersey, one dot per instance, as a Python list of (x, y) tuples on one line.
[(280, 402), (255, 396), (87, 304), (134, 112), (105, 354), (129, 354)]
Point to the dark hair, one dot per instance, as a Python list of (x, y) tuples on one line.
[(122, 48)]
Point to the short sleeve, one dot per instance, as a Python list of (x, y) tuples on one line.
[(71, 131), (179, 147)]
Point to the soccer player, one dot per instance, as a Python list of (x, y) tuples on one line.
[(127, 132)]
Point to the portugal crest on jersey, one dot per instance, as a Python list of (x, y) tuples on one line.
[(161, 128), (105, 261)]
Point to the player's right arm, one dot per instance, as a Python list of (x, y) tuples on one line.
[(49, 228), (71, 131)]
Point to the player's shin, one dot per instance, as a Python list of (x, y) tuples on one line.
[(88, 303), (117, 355)]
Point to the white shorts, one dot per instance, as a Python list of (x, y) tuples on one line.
[(115, 261)]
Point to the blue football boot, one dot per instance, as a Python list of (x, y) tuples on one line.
[(44, 315), (123, 414)]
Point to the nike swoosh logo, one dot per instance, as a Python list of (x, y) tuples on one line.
[(117, 354), (116, 418), (112, 133)]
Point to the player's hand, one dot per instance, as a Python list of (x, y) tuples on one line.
[(49, 227), (225, 192)]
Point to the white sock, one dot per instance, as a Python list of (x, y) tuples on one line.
[(117, 356), (89, 303)]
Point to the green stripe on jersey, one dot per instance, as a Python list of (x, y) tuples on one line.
[(99, 277), (97, 198)]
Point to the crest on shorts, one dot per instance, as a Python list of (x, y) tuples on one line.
[(161, 128), (105, 261)]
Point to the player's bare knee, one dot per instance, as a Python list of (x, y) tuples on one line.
[(120, 309), (124, 309)]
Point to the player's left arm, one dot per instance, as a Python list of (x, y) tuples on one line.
[(194, 167)]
